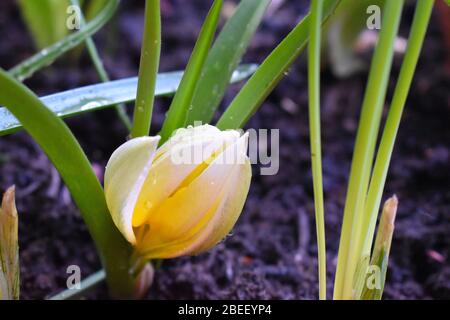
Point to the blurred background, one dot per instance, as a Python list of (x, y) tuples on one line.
[(271, 253)]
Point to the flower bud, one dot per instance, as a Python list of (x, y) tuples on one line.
[(182, 198)]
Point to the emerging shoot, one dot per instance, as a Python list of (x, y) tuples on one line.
[(9, 248)]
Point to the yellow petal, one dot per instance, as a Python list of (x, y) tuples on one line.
[(226, 214), (125, 174)]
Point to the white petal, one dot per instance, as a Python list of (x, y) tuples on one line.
[(125, 174), (183, 135)]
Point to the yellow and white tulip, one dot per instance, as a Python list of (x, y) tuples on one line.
[(170, 202)]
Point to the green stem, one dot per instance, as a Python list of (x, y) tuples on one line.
[(98, 64), (315, 137), (87, 285), (416, 36), (349, 253), (148, 70)]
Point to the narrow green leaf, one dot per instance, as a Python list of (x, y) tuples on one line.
[(103, 95), (269, 74), (223, 58), (417, 34), (62, 148), (351, 242), (46, 20), (315, 138), (49, 54), (176, 116), (359, 280), (148, 70)]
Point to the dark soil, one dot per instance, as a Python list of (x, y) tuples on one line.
[(272, 251)]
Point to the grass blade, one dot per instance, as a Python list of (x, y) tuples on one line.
[(148, 70), (49, 54), (223, 58), (416, 37), (269, 74), (351, 239), (177, 113), (62, 148), (98, 64), (99, 96), (315, 137)]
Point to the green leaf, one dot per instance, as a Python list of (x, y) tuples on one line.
[(315, 137), (360, 278), (103, 95), (148, 70), (352, 238), (176, 116), (46, 20), (380, 169), (223, 58), (62, 148), (269, 73), (49, 54)]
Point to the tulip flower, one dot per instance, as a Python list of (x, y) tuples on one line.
[(182, 198)]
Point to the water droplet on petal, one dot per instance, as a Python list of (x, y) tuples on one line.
[(148, 205)]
